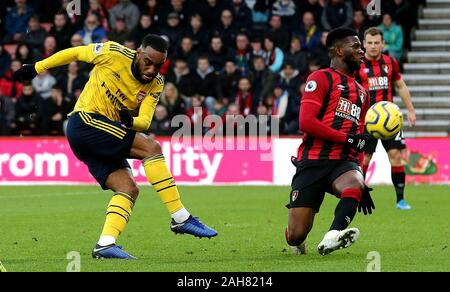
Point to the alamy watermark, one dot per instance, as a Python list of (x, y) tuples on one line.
[(374, 264), (74, 7), (74, 264), (230, 132), (374, 7)]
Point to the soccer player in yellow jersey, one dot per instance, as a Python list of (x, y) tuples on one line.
[(103, 134)]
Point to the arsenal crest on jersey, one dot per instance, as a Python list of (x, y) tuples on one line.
[(141, 95)]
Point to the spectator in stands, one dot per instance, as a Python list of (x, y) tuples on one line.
[(320, 53), (275, 56), (154, 9), (5, 60), (96, 8), (7, 114), (183, 79), (313, 66), (127, 10), (187, 52), (290, 78), (160, 125), (280, 33), (228, 81), (198, 33), (172, 101), (297, 56), (243, 53), (144, 27), (173, 29), (337, 13), (393, 37), (205, 81), (76, 40), (72, 81), (260, 11), (257, 48), (92, 31), (262, 79), (16, 21), (360, 23), (8, 86), (120, 33), (213, 11), (308, 32), (43, 84), (197, 114), (218, 54), (279, 101), (404, 13), (244, 97), (61, 30), (184, 11), (285, 9), (242, 16), (27, 111), (220, 108), (35, 33), (226, 28), (230, 126), (53, 112), (50, 46), (46, 9), (25, 55), (313, 6)]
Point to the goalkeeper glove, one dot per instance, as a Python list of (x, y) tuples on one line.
[(126, 118), (366, 203), (25, 73), (358, 142)]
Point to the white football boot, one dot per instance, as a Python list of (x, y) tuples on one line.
[(336, 239)]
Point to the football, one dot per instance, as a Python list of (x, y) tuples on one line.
[(384, 120)]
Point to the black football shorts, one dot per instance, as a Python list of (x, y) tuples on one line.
[(314, 178)]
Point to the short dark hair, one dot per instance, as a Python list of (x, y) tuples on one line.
[(156, 42), (338, 34)]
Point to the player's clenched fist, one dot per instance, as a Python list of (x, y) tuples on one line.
[(26, 72)]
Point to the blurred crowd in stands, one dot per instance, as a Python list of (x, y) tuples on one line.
[(227, 57)]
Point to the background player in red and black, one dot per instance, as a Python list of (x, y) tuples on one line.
[(378, 74), (331, 115)]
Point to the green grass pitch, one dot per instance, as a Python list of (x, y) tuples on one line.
[(40, 225)]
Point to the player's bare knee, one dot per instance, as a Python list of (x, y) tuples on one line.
[(153, 147)]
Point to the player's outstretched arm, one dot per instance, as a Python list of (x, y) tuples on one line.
[(82, 53), (403, 92)]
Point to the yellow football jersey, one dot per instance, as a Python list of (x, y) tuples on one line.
[(111, 86)]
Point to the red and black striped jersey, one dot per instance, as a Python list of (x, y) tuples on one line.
[(343, 104), (377, 77)]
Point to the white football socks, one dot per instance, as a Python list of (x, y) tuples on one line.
[(181, 215)]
